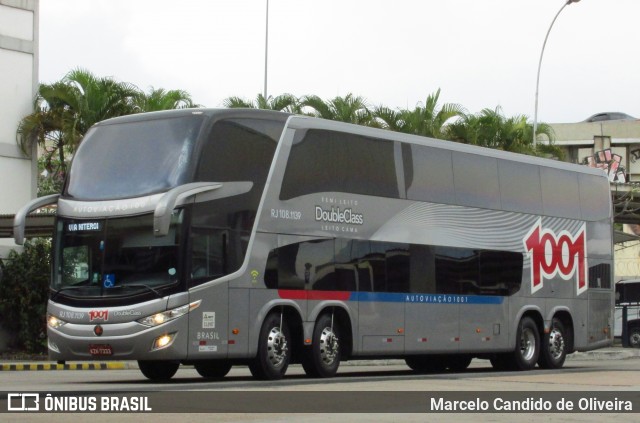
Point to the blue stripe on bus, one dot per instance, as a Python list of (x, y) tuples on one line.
[(388, 297)]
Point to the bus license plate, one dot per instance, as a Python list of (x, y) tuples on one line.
[(100, 349)]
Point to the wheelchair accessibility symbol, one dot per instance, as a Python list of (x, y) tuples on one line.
[(109, 280)]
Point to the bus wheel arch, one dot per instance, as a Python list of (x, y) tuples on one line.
[(331, 342), (527, 343), (275, 345)]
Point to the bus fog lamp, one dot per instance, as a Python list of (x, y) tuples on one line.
[(163, 341)]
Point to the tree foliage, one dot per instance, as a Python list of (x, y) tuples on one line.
[(490, 128), (449, 121), (350, 109), (64, 111), (282, 103), (24, 286)]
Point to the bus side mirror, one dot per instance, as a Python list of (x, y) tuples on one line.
[(171, 198), (20, 219)]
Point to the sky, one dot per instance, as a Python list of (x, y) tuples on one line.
[(479, 53)]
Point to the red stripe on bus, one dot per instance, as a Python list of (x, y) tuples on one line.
[(299, 294)]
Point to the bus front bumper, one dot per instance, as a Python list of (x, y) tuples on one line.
[(119, 341)]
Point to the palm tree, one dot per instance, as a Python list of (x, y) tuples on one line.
[(95, 99), (490, 128), (46, 127), (351, 109), (282, 103), (161, 99), (427, 120), (64, 111)]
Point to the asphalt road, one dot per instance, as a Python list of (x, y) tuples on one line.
[(380, 386)]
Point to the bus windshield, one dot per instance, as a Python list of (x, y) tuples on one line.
[(101, 257), (133, 159)]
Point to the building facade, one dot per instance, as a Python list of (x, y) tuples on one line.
[(611, 141), (18, 86)]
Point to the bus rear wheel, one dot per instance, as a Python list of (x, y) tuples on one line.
[(273, 356), (213, 369), (554, 347), (322, 359), (158, 370)]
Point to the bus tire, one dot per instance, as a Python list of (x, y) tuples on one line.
[(426, 363), (502, 362), (458, 363), (527, 349), (158, 370), (212, 369), (322, 359), (273, 356), (634, 337), (554, 346)]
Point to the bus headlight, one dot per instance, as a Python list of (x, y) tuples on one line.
[(53, 322), (166, 316)]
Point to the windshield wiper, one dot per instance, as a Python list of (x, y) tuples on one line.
[(137, 285), (66, 288)]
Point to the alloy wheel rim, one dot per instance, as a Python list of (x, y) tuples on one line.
[(277, 348)]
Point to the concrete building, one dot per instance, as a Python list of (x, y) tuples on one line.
[(611, 141), (18, 87)]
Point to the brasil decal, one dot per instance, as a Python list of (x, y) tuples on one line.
[(554, 255)]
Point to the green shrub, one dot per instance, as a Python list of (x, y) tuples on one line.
[(24, 289)]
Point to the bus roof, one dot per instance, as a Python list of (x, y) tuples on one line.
[(307, 122)]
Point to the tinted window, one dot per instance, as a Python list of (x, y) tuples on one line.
[(134, 159), (219, 235), (329, 161), (594, 197), (239, 150), (428, 174), (560, 193), (628, 292), (369, 266), (520, 187), (600, 277), (306, 264), (476, 180)]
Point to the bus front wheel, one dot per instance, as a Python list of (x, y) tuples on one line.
[(213, 369), (158, 370), (273, 356), (322, 359)]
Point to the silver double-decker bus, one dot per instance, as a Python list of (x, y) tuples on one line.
[(216, 238)]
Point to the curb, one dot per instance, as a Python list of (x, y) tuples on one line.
[(613, 353), (115, 365)]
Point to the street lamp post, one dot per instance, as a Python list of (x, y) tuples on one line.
[(266, 52), (535, 115)]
